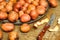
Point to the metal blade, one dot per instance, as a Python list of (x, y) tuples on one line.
[(52, 18)]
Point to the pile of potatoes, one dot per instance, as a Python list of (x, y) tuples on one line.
[(13, 34), (24, 10)]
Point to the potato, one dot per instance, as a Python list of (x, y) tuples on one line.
[(40, 10), (3, 15), (25, 18), (1, 0), (31, 7), (9, 6), (25, 28), (13, 35), (13, 16), (43, 3), (7, 27), (34, 14), (53, 3)]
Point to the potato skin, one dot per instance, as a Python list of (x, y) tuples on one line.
[(43, 3), (7, 27), (25, 28), (13, 35), (34, 14), (53, 3), (1, 34), (40, 10), (13, 16), (25, 18), (3, 15)]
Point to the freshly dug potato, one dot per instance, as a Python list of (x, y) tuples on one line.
[(53, 3), (40, 10), (13, 16), (34, 14), (25, 18), (7, 27), (3, 15), (13, 35), (25, 28), (1, 34)]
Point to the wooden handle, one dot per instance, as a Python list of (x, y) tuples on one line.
[(40, 36)]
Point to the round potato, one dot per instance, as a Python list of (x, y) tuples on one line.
[(34, 14), (25, 18), (25, 28), (7, 27), (13, 16), (40, 10)]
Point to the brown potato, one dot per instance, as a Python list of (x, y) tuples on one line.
[(3, 15), (1, 34), (13, 35), (25, 28), (7, 27), (34, 14), (43, 3), (13, 16), (53, 3), (40, 10), (25, 18)]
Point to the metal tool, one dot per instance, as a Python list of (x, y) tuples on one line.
[(40, 36)]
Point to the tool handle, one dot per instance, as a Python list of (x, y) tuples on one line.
[(40, 36)]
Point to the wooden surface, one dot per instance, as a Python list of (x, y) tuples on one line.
[(32, 35)]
